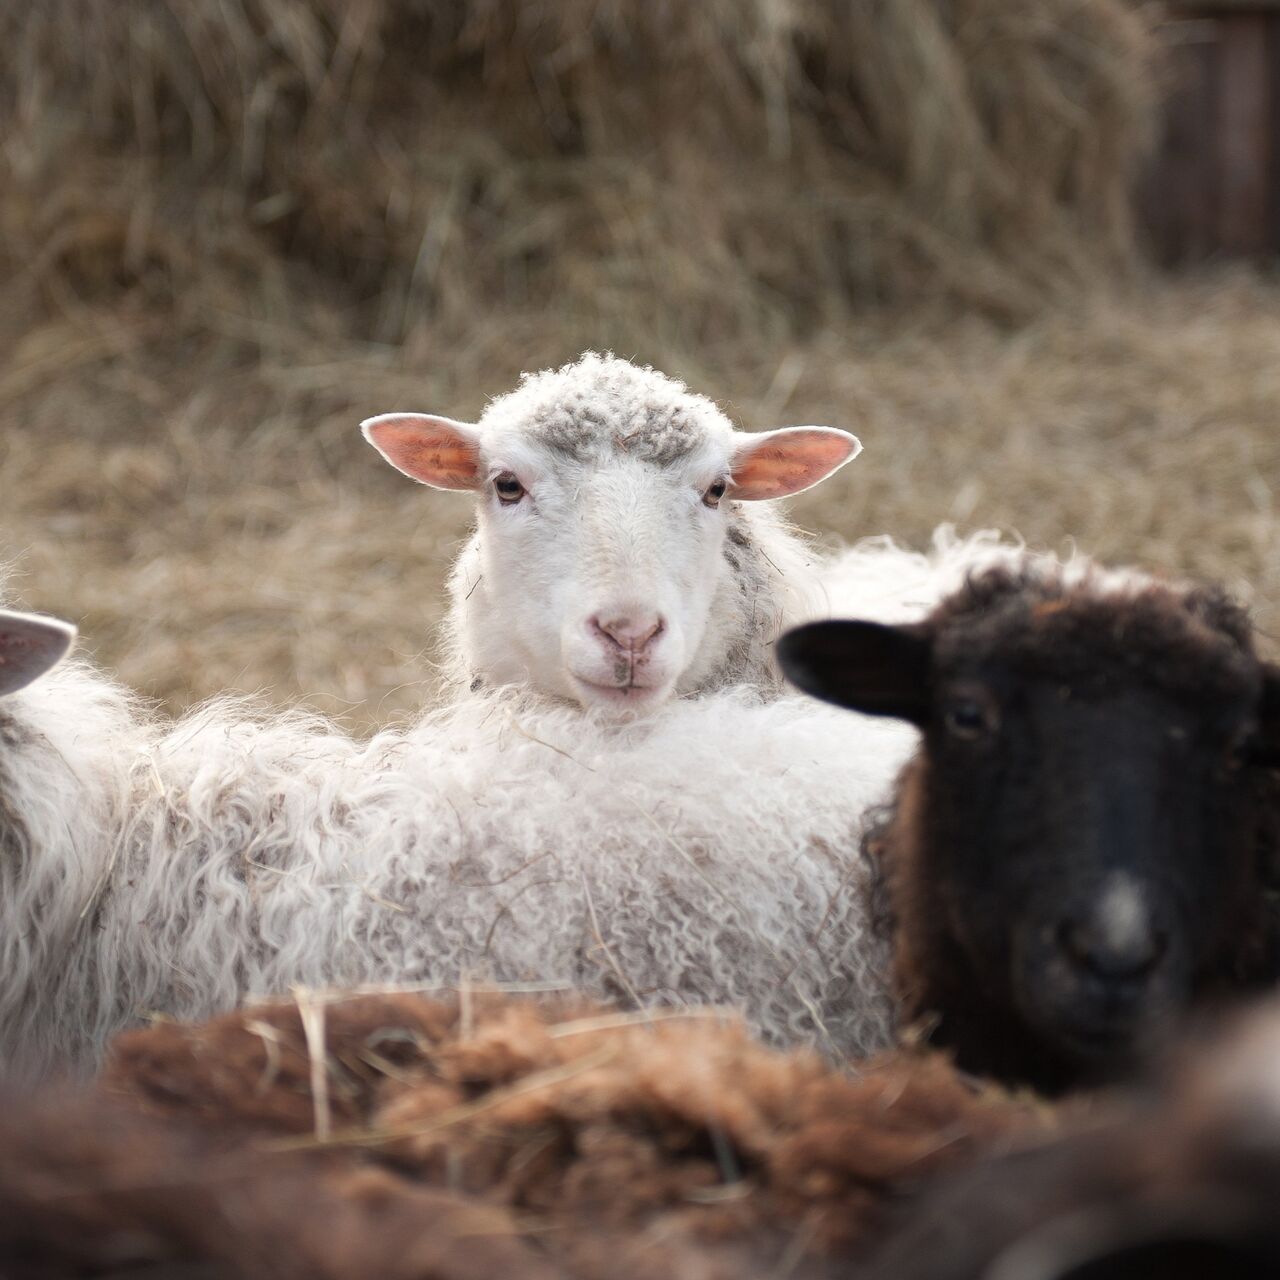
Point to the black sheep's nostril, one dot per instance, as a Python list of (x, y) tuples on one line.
[(1133, 955)]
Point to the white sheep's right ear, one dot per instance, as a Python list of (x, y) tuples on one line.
[(29, 646), (429, 449), (776, 464)]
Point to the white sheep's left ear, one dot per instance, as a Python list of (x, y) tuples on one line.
[(776, 464), (29, 646)]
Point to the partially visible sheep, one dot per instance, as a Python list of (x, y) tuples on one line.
[(68, 738), (619, 1140), (707, 854), (623, 552), (1081, 847)]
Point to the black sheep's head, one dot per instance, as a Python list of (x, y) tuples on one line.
[(1085, 799)]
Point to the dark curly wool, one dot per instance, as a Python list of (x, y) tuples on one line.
[(1189, 641), (1136, 728)]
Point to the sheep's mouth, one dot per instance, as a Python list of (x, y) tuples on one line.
[(1104, 1029), (1101, 1040), (622, 695), (1093, 1023)]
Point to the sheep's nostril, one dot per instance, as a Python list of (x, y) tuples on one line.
[(1115, 956), (631, 632)]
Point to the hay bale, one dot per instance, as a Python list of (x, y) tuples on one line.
[(735, 166)]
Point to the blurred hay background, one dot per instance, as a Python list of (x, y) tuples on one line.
[(229, 230)]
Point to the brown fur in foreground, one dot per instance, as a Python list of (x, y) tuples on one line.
[(1183, 1185), (92, 1188), (578, 1121)]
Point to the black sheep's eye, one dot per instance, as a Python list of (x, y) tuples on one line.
[(714, 493), (508, 488), (970, 718)]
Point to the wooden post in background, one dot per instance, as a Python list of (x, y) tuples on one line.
[(1214, 186)]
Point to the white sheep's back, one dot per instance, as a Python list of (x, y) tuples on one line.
[(706, 855), (878, 580)]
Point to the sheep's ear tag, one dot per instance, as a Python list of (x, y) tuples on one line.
[(865, 666), (30, 646), (776, 464), (435, 451), (1266, 748)]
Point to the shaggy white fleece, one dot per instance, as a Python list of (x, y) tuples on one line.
[(705, 856)]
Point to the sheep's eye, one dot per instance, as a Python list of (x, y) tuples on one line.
[(970, 718), (714, 493), (508, 488)]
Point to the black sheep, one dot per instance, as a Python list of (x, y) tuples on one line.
[(1084, 843)]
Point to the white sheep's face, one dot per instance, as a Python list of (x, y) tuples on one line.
[(600, 553)]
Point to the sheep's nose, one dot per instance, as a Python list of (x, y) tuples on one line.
[(1117, 937), (630, 631)]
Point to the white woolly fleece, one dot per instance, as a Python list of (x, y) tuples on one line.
[(877, 580)]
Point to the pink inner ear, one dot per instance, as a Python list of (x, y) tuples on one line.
[(434, 451), (790, 460)]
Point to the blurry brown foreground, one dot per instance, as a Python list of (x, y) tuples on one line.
[(228, 232)]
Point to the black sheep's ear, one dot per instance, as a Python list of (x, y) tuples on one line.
[(865, 666), (1266, 746)]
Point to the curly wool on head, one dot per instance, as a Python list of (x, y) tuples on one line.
[(1084, 622), (598, 405)]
